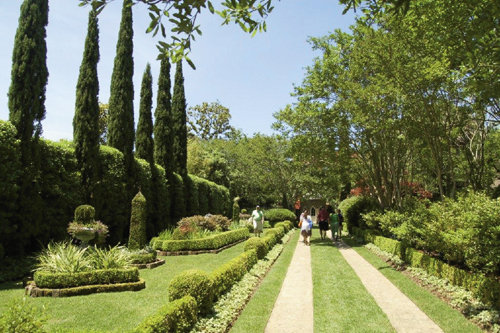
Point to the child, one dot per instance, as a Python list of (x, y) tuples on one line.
[(334, 225)]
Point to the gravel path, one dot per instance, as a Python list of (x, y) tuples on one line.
[(293, 310), (403, 314)]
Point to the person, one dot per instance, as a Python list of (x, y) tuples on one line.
[(341, 222), (334, 225), (304, 227), (310, 222), (323, 222), (258, 221), (297, 209)]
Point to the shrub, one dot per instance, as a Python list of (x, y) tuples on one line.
[(84, 214), (63, 258), (67, 280), (197, 222), (353, 207), (258, 245), (278, 214), (21, 317), (177, 196), (195, 283), (137, 234), (143, 256), (226, 275), (222, 223), (176, 316), (236, 210), (207, 243), (116, 257)]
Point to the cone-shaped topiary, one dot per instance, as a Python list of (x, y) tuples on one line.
[(137, 237), (85, 214), (236, 210)]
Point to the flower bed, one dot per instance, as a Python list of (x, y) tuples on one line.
[(216, 242)]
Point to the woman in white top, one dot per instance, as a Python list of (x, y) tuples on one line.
[(304, 227)]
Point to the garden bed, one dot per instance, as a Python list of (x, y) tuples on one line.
[(150, 265), (32, 290), (189, 252)]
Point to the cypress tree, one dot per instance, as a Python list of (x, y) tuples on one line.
[(163, 120), (26, 111), (86, 119), (179, 123), (144, 145), (137, 235), (29, 75), (121, 130)]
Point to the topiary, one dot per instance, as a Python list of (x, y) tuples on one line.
[(195, 283), (278, 214), (138, 216), (258, 244), (85, 214), (236, 210)]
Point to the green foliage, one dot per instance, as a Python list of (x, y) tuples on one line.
[(257, 244), (207, 243), (22, 317), (137, 235), (176, 316), (163, 119), (195, 283), (144, 147), (225, 276), (178, 209), (86, 120), (353, 207), (115, 257), (179, 129), (209, 121), (84, 214), (236, 210), (143, 256), (208, 222), (278, 214), (45, 279), (121, 129)]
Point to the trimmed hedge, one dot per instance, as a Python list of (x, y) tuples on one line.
[(278, 214), (195, 283), (68, 280), (177, 316), (208, 243), (257, 244), (485, 287), (143, 258), (229, 273), (353, 207), (86, 290)]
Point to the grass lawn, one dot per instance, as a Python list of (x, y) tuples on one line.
[(257, 312), (341, 302), (449, 319), (122, 311)]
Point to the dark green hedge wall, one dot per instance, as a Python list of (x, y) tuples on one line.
[(59, 183)]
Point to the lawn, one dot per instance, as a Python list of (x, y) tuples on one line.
[(117, 312), (341, 302), (257, 312), (449, 319)]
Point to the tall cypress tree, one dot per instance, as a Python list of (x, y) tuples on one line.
[(86, 119), (163, 120), (29, 75), (26, 111), (144, 144), (121, 129), (179, 123)]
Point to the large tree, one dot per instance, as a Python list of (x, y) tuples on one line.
[(144, 145), (209, 121), (163, 119), (121, 129), (86, 119), (179, 123)]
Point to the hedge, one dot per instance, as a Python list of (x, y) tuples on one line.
[(257, 244), (177, 316), (278, 214), (143, 258), (59, 188), (196, 283), (353, 207), (103, 276), (209, 243), (485, 287), (34, 291)]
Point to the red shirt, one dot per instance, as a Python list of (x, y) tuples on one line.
[(323, 215)]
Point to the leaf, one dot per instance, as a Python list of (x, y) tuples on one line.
[(191, 64), (210, 7)]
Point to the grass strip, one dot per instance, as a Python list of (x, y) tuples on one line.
[(341, 302), (449, 319), (117, 312), (256, 314)]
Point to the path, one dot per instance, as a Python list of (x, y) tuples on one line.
[(403, 314), (295, 296)]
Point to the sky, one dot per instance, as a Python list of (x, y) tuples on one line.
[(252, 76)]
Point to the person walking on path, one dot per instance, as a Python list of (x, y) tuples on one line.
[(304, 227), (258, 221), (297, 209), (341, 222), (323, 222), (334, 225)]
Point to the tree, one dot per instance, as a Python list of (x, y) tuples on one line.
[(26, 111), (144, 144), (121, 129), (209, 121), (86, 119), (163, 120), (179, 123)]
